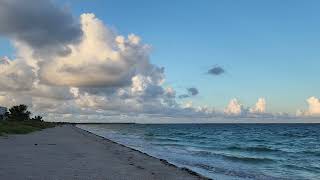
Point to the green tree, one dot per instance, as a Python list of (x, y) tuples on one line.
[(19, 113)]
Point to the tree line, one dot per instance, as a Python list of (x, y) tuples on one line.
[(20, 113)]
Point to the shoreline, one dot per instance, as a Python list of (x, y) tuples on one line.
[(191, 172), (69, 152)]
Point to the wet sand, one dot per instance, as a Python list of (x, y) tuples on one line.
[(67, 152)]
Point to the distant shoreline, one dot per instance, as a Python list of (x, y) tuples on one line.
[(244, 123)]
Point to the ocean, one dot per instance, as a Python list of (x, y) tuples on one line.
[(226, 151)]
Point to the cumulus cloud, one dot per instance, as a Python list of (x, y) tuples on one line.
[(80, 69), (260, 106), (216, 71), (39, 24), (313, 107), (15, 76), (101, 59), (103, 73), (234, 108), (4, 60)]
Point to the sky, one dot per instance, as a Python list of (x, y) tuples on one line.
[(174, 58)]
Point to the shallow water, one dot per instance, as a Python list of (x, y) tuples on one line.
[(227, 151)]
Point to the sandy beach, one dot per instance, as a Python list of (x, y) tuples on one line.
[(67, 152)]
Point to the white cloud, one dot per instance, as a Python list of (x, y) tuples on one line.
[(234, 107), (86, 71), (313, 107), (15, 76), (188, 105), (104, 73), (260, 106), (101, 59), (4, 60)]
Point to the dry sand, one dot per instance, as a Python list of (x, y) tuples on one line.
[(68, 152)]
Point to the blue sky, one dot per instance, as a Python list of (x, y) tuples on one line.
[(268, 48)]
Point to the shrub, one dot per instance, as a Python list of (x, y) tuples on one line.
[(17, 121)]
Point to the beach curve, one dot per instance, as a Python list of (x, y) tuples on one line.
[(68, 152)]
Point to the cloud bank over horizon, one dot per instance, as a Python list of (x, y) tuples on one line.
[(78, 68)]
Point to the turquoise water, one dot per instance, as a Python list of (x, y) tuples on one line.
[(227, 151)]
